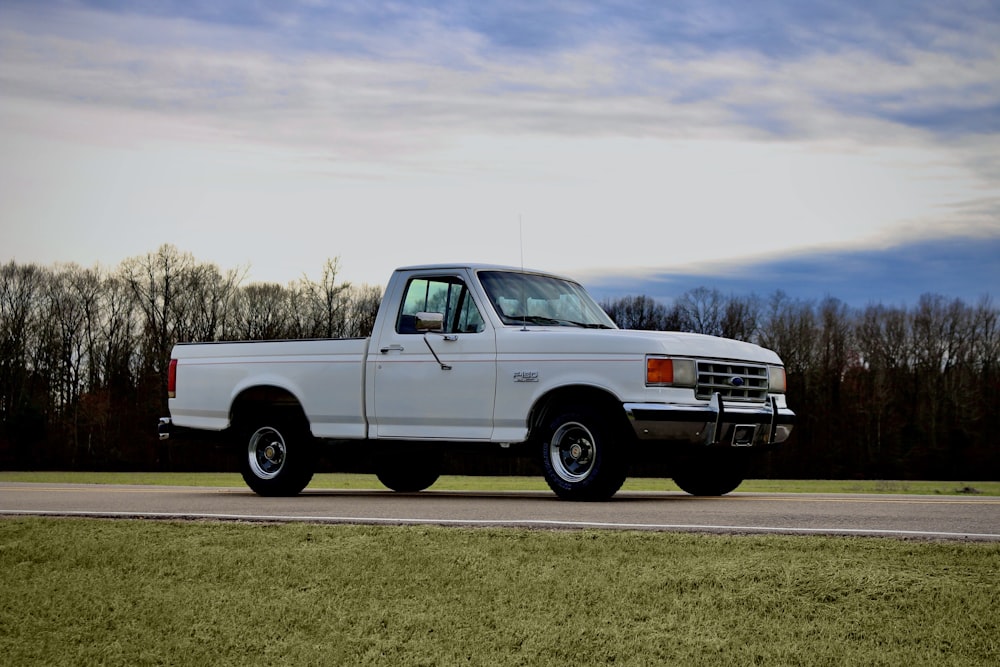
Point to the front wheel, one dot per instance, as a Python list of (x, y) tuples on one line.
[(581, 459), (277, 459)]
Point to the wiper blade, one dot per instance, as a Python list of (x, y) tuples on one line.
[(541, 320), (532, 319)]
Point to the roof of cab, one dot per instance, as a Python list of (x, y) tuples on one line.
[(476, 266)]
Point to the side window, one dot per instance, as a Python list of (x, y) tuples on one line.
[(447, 296)]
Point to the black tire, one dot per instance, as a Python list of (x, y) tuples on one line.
[(277, 456), (583, 454), (408, 468), (712, 472)]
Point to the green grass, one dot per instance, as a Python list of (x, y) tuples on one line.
[(90, 592), (466, 483)]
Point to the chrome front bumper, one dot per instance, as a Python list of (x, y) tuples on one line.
[(718, 424)]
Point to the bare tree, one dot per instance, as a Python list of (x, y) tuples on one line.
[(741, 318), (790, 330), (701, 311), (986, 337), (202, 301), (155, 280), (363, 306), (20, 287), (640, 312), (261, 312), (882, 341), (22, 401), (835, 340), (327, 301)]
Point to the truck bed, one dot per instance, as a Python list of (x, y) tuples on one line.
[(327, 374)]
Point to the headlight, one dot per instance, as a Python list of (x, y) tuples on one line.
[(776, 379), (669, 372)]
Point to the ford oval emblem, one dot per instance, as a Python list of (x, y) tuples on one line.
[(736, 381)]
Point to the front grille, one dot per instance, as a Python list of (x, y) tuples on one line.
[(735, 381)]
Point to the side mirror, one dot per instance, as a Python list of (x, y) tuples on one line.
[(429, 322)]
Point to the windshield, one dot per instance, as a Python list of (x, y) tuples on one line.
[(525, 298)]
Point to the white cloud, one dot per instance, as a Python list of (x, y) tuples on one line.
[(122, 132)]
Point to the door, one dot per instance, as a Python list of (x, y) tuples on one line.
[(435, 374)]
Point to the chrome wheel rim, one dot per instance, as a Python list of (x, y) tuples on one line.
[(266, 452), (572, 452)]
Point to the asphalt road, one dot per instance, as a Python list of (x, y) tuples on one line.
[(901, 516)]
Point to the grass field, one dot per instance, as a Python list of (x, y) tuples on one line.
[(89, 592), (468, 483)]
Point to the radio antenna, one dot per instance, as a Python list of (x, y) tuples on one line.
[(520, 229), (524, 298)]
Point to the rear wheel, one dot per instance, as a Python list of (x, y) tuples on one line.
[(712, 472), (276, 457), (582, 457)]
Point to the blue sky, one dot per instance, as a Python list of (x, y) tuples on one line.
[(958, 268), (842, 148)]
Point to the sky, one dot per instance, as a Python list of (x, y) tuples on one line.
[(845, 148)]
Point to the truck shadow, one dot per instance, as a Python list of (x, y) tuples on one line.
[(621, 497)]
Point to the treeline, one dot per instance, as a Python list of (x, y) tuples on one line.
[(881, 392), (84, 351)]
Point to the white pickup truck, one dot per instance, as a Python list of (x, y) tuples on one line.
[(488, 356)]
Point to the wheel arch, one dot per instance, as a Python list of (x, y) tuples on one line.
[(565, 397), (252, 402)]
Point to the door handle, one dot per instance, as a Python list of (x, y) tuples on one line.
[(395, 347)]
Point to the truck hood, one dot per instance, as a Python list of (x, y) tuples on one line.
[(629, 341), (700, 345)]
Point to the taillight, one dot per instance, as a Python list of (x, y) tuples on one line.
[(172, 379)]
